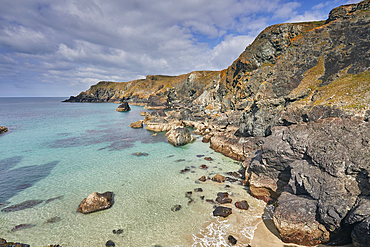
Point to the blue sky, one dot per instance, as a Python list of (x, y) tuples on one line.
[(60, 48)]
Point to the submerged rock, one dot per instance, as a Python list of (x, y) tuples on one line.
[(180, 136), (110, 243), (53, 220), (95, 202), (22, 206), (53, 199), (232, 240), (123, 107), (176, 208), (139, 154), (22, 226)]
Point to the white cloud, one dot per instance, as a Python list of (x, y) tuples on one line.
[(73, 43)]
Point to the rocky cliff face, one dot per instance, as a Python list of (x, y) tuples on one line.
[(295, 107)]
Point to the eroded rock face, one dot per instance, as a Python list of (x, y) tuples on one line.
[(180, 136), (96, 202), (325, 162), (296, 221)]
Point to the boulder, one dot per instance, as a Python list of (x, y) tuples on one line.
[(242, 205), (3, 129), (295, 219), (95, 202), (223, 197), (222, 211), (161, 124), (123, 107), (137, 125), (218, 178), (180, 136)]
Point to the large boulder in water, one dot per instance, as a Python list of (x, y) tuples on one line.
[(123, 107), (179, 136), (96, 202)]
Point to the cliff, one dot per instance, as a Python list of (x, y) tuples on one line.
[(295, 107)]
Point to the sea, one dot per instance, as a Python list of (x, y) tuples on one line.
[(60, 153)]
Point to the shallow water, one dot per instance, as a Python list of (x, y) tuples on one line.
[(69, 150)]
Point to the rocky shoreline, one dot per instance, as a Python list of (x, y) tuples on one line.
[(295, 109)]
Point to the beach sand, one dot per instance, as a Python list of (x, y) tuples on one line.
[(267, 235)]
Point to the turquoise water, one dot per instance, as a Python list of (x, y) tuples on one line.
[(69, 150)]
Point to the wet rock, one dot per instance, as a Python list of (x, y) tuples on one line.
[(3, 129), (203, 167), (218, 178), (210, 201), (202, 179), (137, 124), (198, 190), (186, 169), (176, 208), (53, 199), (110, 243), (123, 107), (208, 158), (200, 155), (179, 160), (223, 197), (22, 227), (53, 220), (188, 194), (242, 205), (222, 211), (22, 206), (95, 202), (232, 240), (180, 136), (119, 231), (139, 154), (295, 219)]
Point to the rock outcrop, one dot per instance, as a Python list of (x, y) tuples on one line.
[(96, 202), (137, 124), (3, 129), (123, 107), (180, 136)]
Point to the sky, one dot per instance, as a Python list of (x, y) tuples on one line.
[(60, 48)]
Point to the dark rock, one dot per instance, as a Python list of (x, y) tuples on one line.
[(180, 136), (202, 178), (222, 211), (208, 158), (22, 226), (139, 154), (188, 194), (232, 240), (110, 243), (176, 208), (186, 169), (223, 197), (179, 160), (119, 231), (242, 205), (210, 201), (361, 233), (123, 107), (200, 155), (53, 199), (203, 167), (23, 186), (22, 206), (295, 219), (53, 220), (4, 204), (202, 197), (96, 202), (4, 243), (198, 190), (218, 178)]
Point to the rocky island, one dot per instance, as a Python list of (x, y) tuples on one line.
[(295, 108)]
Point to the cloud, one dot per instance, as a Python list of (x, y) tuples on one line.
[(62, 47)]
